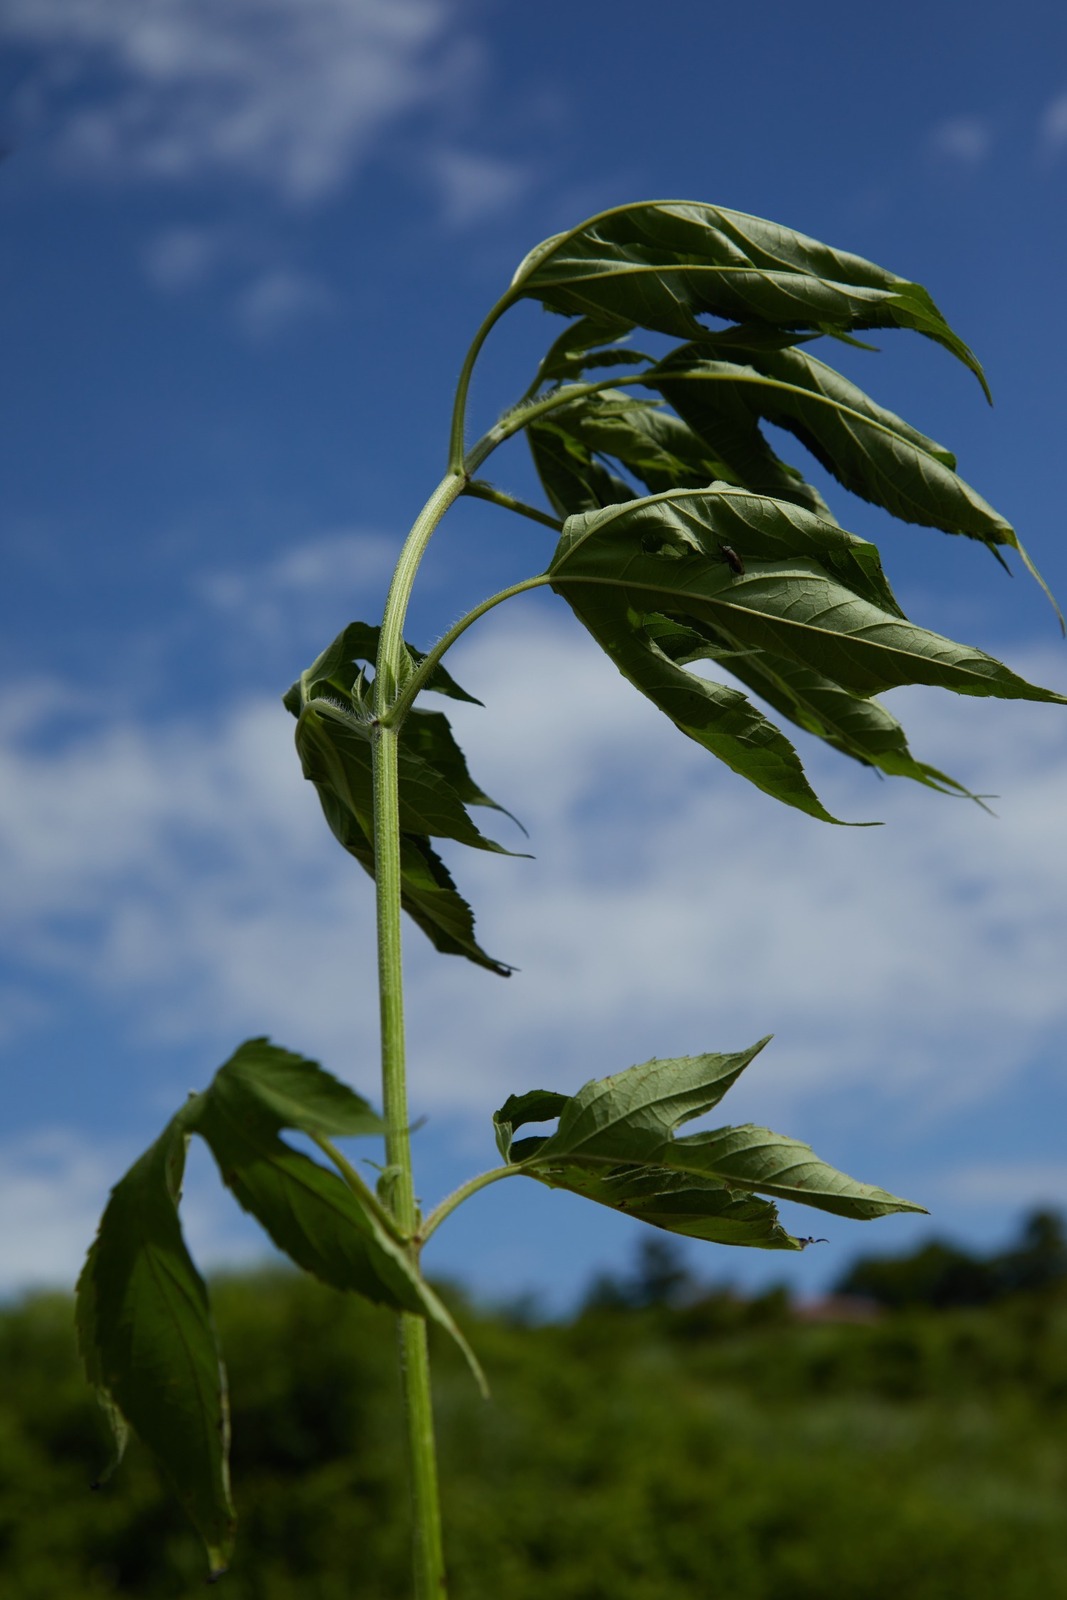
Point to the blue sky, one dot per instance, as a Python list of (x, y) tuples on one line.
[(244, 248)]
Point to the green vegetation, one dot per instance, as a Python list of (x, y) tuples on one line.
[(666, 1435)]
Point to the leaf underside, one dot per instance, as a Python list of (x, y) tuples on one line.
[(144, 1322), (775, 599), (616, 1143), (334, 741), (808, 621)]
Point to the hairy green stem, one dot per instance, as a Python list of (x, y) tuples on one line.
[(479, 490), (429, 663), (457, 1197), (359, 1187), (429, 1572), (459, 409)]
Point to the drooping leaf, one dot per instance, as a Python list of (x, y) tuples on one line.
[(334, 736), (719, 718), (826, 607), (616, 1142), (656, 447), (148, 1340), (428, 735), (308, 1211), (570, 477), (589, 342), (873, 452), (335, 748), (662, 264), (276, 1087), (661, 450), (863, 729), (427, 892)]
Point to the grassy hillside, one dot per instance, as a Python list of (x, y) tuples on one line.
[(661, 1446)]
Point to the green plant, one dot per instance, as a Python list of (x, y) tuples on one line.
[(731, 557)]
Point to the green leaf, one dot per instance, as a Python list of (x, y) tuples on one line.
[(334, 736), (863, 729), (661, 264), (538, 1105), (658, 448), (570, 477), (341, 665), (428, 894), (148, 1341), (589, 342), (616, 1143), (324, 1225), (661, 450), (827, 607), (873, 452), (717, 717), (284, 1090), (428, 736)]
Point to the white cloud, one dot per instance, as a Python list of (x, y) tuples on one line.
[(293, 94), (470, 186), (1054, 125), (279, 297), (53, 1188), (184, 872), (265, 600), (51, 1185), (996, 1184), (962, 141), (181, 258)]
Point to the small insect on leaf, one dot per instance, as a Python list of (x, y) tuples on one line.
[(732, 559), (803, 1243)]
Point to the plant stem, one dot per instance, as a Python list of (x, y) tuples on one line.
[(479, 490), (359, 1187), (459, 409), (457, 1197), (428, 1555), (428, 665)]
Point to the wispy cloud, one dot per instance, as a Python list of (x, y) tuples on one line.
[(1005, 1183), (186, 873), (182, 258), (54, 1185), (293, 94), (263, 599), (278, 298), (1053, 128), (470, 186), (962, 142)]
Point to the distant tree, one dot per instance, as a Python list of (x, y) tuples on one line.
[(942, 1275), (1039, 1261), (658, 1279)]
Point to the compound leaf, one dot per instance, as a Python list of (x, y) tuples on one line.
[(616, 1143)]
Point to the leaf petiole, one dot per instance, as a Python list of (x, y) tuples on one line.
[(429, 663), (361, 1188), (457, 1197), (478, 489)]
